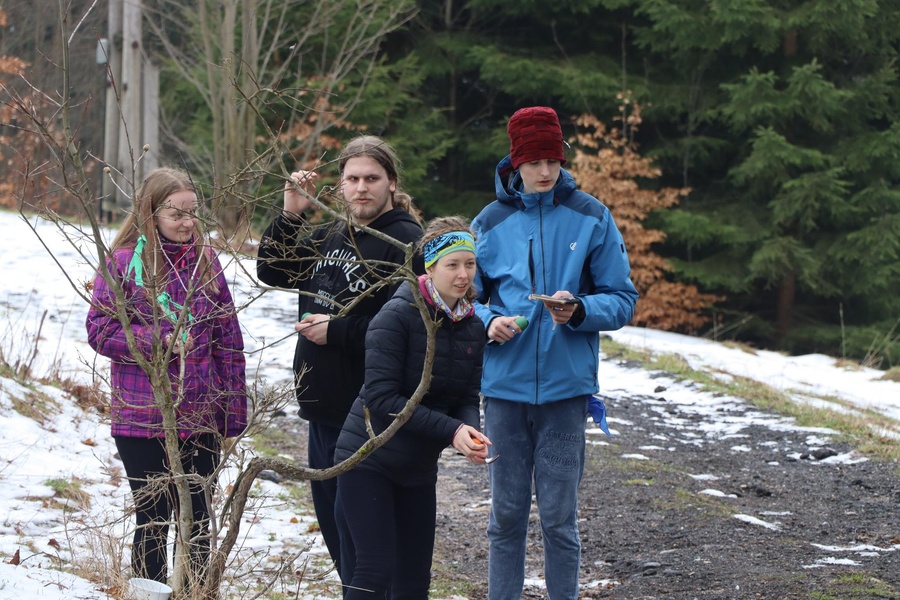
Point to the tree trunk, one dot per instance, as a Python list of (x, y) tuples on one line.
[(786, 293)]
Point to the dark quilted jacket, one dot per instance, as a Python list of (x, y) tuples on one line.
[(395, 351)]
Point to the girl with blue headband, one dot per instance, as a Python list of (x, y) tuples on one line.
[(388, 501)]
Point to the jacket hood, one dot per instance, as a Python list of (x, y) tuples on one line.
[(508, 184), (395, 215)]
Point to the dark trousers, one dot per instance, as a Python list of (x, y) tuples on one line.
[(392, 528), (156, 500), (322, 442)]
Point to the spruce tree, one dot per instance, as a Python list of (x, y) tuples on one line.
[(784, 117)]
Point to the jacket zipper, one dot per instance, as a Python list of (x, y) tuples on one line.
[(537, 358)]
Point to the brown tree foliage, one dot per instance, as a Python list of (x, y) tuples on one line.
[(608, 166), (28, 174), (10, 66), (31, 95), (312, 137)]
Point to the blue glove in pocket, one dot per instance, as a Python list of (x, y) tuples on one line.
[(598, 413)]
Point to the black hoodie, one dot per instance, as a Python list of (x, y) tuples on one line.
[(327, 261)]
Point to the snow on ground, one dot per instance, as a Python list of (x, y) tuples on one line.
[(42, 326), (814, 376)]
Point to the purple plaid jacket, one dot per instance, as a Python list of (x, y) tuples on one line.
[(214, 385)]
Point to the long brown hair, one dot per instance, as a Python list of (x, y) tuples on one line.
[(157, 186), (384, 154), (440, 226)]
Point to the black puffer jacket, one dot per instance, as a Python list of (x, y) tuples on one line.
[(395, 353)]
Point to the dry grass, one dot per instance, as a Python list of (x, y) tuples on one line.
[(892, 374)]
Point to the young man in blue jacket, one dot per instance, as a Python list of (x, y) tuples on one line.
[(542, 236)]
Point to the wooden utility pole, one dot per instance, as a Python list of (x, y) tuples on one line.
[(112, 50), (132, 106)]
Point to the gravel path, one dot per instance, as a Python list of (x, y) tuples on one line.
[(704, 498), (724, 502)]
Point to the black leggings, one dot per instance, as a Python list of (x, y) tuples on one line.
[(145, 463), (392, 528)]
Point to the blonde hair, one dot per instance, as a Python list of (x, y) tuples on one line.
[(384, 154), (157, 186), (441, 225)]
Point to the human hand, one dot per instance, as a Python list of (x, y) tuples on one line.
[(184, 343), (472, 444), (561, 313), (313, 327), (296, 202), (503, 329)]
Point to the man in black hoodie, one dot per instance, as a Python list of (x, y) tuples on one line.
[(336, 263)]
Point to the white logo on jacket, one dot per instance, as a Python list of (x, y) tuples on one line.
[(572, 245)]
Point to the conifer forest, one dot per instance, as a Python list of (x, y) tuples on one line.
[(749, 149)]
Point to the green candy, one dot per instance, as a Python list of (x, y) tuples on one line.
[(522, 322), (306, 314)]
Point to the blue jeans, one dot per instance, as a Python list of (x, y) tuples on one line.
[(544, 443)]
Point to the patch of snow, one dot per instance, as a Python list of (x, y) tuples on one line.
[(755, 521)]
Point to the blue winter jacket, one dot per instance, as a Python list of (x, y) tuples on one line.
[(541, 243)]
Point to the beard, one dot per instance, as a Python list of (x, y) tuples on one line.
[(370, 210)]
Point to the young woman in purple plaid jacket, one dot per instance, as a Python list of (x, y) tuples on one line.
[(163, 296)]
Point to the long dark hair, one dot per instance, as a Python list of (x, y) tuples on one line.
[(384, 154)]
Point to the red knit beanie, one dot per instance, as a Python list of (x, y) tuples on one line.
[(535, 134)]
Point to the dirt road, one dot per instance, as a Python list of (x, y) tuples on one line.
[(719, 503)]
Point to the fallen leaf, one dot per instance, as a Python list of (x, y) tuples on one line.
[(55, 544), (15, 559)]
